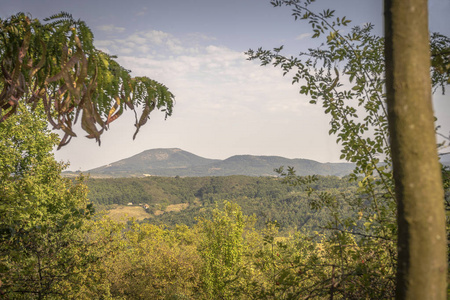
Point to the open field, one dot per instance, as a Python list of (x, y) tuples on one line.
[(122, 213), (177, 207), (172, 207)]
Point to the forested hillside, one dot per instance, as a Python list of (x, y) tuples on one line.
[(265, 197)]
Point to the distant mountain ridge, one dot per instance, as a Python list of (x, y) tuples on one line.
[(176, 162)]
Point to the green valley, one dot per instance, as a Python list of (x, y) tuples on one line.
[(265, 197)]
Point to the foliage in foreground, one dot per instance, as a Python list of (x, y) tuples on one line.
[(224, 257), (42, 242), (55, 64)]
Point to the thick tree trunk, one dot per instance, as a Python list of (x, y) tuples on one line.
[(422, 261)]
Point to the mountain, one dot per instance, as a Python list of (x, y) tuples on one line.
[(264, 166), (177, 162), (162, 162)]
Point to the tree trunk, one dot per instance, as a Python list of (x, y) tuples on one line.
[(422, 261)]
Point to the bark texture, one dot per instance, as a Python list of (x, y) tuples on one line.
[(422, 261)]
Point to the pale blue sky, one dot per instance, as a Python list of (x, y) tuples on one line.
[(226, 105)]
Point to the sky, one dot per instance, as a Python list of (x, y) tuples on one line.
[(225, 104)]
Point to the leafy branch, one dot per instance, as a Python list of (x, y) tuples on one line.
[(57, 65)]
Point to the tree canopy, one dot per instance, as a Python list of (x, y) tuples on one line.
[(41, 213), (56, 63)]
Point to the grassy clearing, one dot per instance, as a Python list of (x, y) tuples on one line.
[(122, 213), (172, 207), (176, 207)]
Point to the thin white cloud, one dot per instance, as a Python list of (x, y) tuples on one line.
[(303, 36), (138, 39), (109, 28), (175, 46), (200, 36), (146, 42), (157, 37)]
